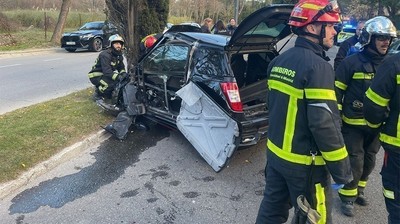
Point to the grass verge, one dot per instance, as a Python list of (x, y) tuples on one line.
[(26, 39), (33, 134)]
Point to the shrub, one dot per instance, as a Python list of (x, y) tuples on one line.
[(6, 25)]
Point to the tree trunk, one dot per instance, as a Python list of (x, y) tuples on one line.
[(132, 35), (136, 19), (61, 22)]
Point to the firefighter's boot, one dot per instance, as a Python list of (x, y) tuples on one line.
[(361, 199), (347, 208), (96, 95)]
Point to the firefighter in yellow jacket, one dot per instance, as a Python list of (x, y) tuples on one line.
[(109, 69), (382, 110), (353, 77), (304, 126)]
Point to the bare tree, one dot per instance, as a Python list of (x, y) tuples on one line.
[(197, 10), (61, 22)]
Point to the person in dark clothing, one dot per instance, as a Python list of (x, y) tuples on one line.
[(382, 112), (206, 26), (231, 26), (346, 45), (109, 68), (353, 77), (147, 42), (304, 128), (220, 28)]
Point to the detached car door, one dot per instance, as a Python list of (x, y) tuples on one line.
[(207, 127)]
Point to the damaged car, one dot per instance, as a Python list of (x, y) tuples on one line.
[(210, 87)]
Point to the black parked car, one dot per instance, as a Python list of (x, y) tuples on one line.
[(92, 36), (210, 87)]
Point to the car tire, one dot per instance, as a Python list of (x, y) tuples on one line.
[(97, 45), (70, 49)]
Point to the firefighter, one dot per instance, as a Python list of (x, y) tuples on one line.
[(109, 68), (348, 47), (353, 77), (147, 42), (382, 110), (304, 128)]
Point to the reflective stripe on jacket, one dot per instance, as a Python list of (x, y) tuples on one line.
[(108, 63), (352, 79), (382, 103), (303, 111)]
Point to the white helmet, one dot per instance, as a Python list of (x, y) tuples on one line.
[(115, 38), (379, 26)]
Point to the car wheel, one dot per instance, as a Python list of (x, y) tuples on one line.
[(70, 49), (97, 44)]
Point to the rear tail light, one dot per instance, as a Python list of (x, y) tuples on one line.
[(231, 92)]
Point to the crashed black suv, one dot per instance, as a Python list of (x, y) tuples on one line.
[(92, 36), (211, 87)]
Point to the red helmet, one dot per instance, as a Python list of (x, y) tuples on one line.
[(309, 11), (149, 41)]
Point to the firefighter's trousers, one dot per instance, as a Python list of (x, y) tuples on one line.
[(104, 85), (285, 181), (362, 145)]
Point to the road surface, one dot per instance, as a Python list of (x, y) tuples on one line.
[(37, 76)]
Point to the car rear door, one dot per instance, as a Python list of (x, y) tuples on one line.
[(206, 126), (262, 29)]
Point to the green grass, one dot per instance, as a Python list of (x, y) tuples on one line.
[(25, 29), (26, 39), (33, 134)]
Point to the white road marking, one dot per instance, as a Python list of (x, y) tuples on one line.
[(5, 66)]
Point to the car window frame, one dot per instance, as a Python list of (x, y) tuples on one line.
[(165, 52)]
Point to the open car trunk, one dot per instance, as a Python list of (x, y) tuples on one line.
[(251, 48)]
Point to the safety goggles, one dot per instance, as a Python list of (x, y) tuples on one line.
[(383, 37), (331, 7)]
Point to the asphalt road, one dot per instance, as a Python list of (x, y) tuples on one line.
[(27, 78), (156, 176)]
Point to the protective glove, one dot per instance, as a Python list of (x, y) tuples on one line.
[(122, 76)]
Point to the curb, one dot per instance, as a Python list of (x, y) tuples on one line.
[(43, 167), (7, 54)]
